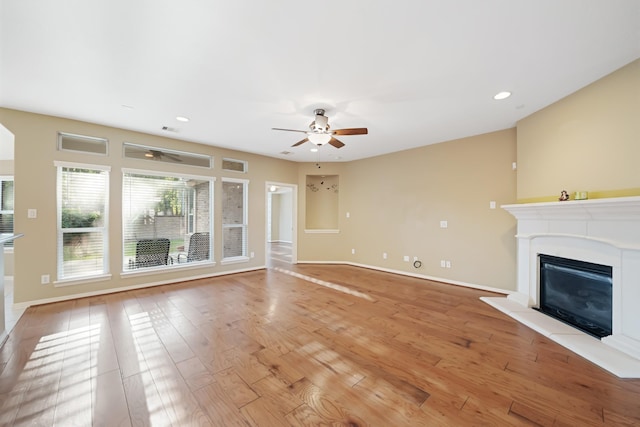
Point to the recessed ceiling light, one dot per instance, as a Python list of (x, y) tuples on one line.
[(182, 119), (502, 95)]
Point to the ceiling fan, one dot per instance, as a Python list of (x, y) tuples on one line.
[(159, 155), (320, 134)]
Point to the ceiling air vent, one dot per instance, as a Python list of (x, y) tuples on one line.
[(169, 129)]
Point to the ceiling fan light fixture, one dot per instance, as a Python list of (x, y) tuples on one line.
[(319, 138)]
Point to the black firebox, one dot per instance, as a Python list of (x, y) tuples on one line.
[(578, 293)]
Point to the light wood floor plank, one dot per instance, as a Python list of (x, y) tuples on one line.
[(303, 345)]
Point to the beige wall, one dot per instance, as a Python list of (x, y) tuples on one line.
[(588, 141), (322, 202), (396, 202), (6, 167), (35, 152)]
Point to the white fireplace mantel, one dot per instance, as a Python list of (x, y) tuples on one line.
[(602, 231)]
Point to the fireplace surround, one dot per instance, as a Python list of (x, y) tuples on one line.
[(599, 231)]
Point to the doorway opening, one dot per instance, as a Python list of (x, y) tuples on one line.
[(281, 224), (9, 314)]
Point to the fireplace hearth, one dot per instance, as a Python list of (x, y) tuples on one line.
[(577, 293), (604, 232)]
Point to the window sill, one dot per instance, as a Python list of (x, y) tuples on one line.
[(165, 269), (235, 260), (81, 280)]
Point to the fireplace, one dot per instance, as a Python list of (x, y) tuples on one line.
[(604, 232), (577, 293)]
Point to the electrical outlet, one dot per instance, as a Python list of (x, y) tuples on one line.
[(448, 264), (348, 215), (492, 204), (32, 213), (384, 255), (253, 254), (44, 279), (406, 258), (444, 224), (443, 263), (353, 251)]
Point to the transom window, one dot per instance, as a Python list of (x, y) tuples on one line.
[(166, 220), (234, 165)]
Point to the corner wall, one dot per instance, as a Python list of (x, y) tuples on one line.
[(588, 141), (396, 202)]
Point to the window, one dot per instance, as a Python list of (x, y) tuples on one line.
[(166, 220), (234, 219), (6, 206), (234, 165), (156, 154), (82, 221), (82, 144)]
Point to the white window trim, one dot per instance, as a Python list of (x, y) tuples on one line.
[(244, 162), (169, 174), (173, 267), (61, 164), (8, 249), (93, 138), (245, 223), (62, 281)]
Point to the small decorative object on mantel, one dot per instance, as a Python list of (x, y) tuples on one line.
[(581, 195), (564, 196)]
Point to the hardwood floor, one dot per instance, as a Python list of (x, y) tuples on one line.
[(279, 252), (302, 345)]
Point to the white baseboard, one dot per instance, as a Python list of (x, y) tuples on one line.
[(416, 275), (27, 304)]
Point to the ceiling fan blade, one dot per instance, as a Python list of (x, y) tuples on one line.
[(290, 130), (352, 131), (175, 158), (300, 142), (336, 143)]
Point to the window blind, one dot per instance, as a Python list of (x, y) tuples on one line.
[(82, 222)]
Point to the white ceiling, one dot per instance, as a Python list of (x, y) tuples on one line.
[(413, 72)]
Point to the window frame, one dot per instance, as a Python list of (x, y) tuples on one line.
[(172, 264), (104, 229), (8, 246), (244, 226), (98, 141), (245, 165)]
